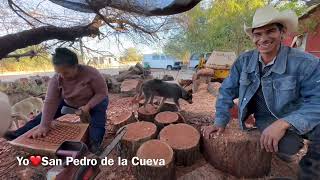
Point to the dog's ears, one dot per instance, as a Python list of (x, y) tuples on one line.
[(189, 91)]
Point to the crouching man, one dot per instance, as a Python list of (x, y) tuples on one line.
[(281, 87)]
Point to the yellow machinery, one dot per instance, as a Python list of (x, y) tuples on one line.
[(220, 62)]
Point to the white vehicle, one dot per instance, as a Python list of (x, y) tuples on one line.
[(161, 61)]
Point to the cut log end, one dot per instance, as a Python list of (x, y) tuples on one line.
[(238, 153), (122, 119), (148, 113), (139, 130), (162, 166), (156, 149), (184, 140), (137, 133), (165, 118)]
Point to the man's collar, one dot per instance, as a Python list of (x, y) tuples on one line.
[(280, 63), (265, 65)]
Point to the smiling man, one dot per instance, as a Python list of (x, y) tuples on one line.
[(280, 86)]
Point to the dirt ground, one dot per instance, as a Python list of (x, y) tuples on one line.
[(201, 112)]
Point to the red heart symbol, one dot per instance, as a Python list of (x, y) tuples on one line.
[(35, 160)]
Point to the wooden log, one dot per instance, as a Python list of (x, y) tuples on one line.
[(137, 133), (122, 119), (148, 113), (129, 86), (162, 168), (184, 140), (165, 118), (169, 106), (238, 153)]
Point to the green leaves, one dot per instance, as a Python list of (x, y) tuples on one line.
[(219, 26)]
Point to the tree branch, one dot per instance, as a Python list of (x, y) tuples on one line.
[(12, 42)]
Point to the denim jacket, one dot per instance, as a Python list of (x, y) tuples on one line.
[(291, 88)]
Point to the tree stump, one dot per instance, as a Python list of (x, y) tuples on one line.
[(169, 106), (238, 153), (148, 113), (184, 140), (137, 133), (122, 119), (155, 150), (165, 118)]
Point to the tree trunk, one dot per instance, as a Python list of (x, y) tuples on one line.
[(137, 133), (184, 140), (122, 119), (238, 153), (148, 113), (165, 118), (156, 150)]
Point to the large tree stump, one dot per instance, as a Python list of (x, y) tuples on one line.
[(238, 153), (165, 118), (137, 133), (122, 119), (162, 168), (148, 113), (184, 140)]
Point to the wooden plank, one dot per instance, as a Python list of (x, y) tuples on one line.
[(48, 145)]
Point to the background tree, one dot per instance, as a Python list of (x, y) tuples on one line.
[(131, 55), (41, 20), (218, 25)]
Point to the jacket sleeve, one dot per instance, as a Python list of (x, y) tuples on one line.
[(228, 91), (308, 115)]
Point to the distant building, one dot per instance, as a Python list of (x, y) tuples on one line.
[(105, 61)]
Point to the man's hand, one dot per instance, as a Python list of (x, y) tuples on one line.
[(207, 131), (271, 136), (84, 109), (41, 131)]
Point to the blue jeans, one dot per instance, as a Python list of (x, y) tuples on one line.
[(292, 142), (97, 124)]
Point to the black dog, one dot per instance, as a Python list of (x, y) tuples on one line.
[(157, 87)]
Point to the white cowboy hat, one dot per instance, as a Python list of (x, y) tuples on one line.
[(269, 15)]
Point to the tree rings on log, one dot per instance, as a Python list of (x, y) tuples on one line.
[(156, 161), (137, 133), (184, 140), (238, 153), (148, 113), (122, 119), (165, 118)]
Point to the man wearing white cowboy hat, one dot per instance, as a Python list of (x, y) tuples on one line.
[(280, 86)]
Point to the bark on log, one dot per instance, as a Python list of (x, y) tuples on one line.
[(165, 118), (155, 150), (137, 133), (148, 113), (122, 119), (238, 153), (169, 106), (184, 140)]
